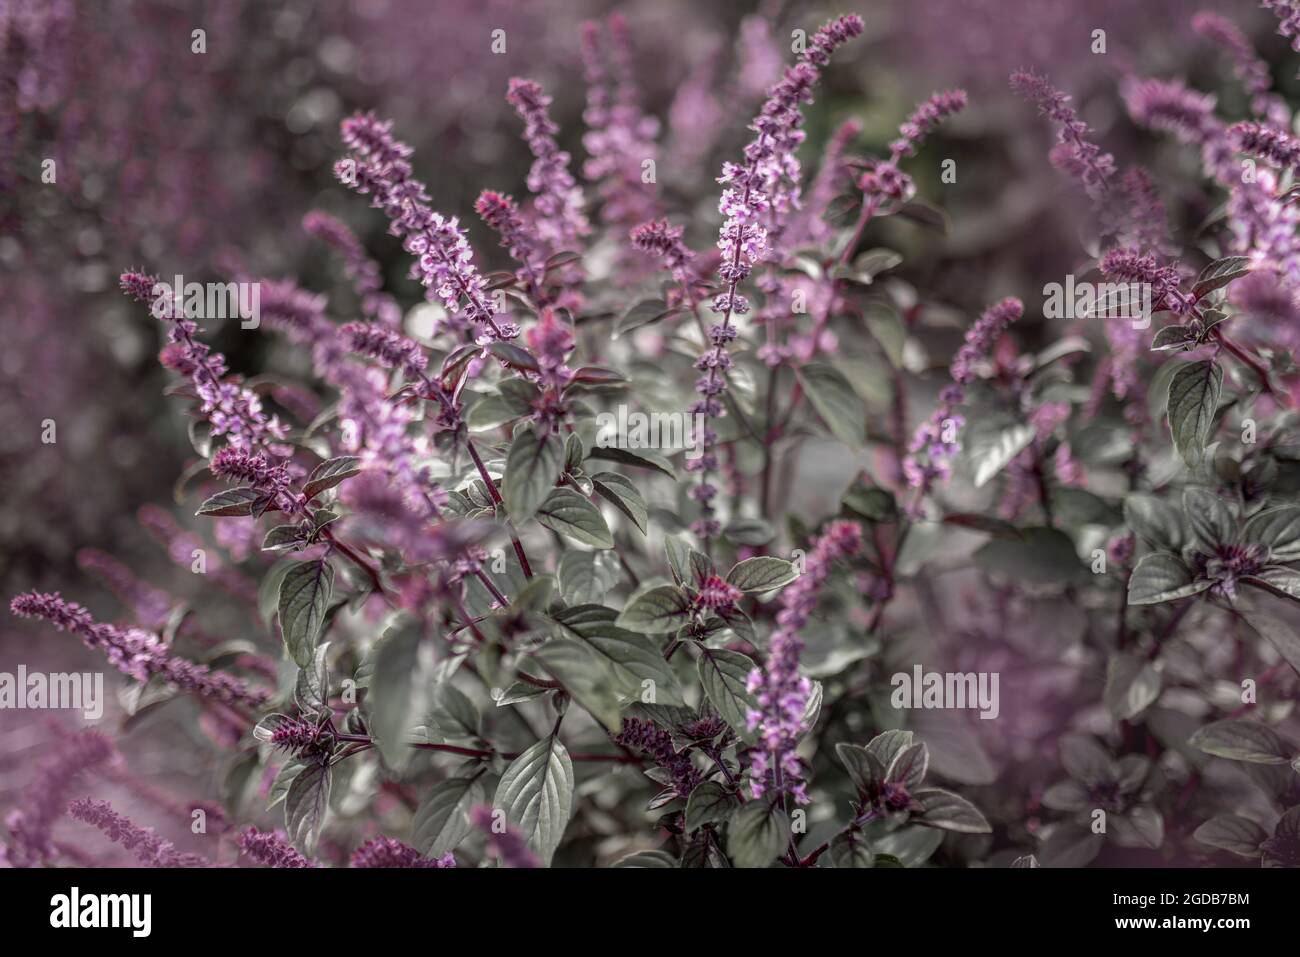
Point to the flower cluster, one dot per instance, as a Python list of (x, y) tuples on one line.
[(558, 202), (935, 445), (270, 849), (148, 848), (1074, 153), (388, 852), (137, 653), (504, 842), (657, 744), (779, 690), (378, 166)]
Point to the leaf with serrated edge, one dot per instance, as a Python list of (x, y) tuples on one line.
[(570, 513), (305, 594), (1193, 399), (441, 821), (536, 793)]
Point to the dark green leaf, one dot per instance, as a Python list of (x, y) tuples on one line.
[(1219, 273), (1042, 556), (584, 577), (570, 513), (1278, 529), (233, 501), (724, 675), (1231, 832), (835, 401), (709, 803), (304, 596), (532, 466), (757, 835), (1240, 740), (330, 473), (991, 452), (754, 576), (441, 821), (1210, 518), (1155, 521), (1132, 685), (536, 793), (948, 811), (306, 806), (619, 491), (1193, 399), (1161, 577), (660, 610)]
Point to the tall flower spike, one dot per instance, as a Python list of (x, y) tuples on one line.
[(558, 199), (620, 138), (935, 445), (46, 797), (779, 690), (367, 279), (148, 848), (925, 120), (1288, 14), (137, 654), (1074, 154), (378, 166), (501, 214), (753, 193)]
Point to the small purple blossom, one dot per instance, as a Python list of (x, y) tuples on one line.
[(1272, 145), (1074, 154), (925, 120), (647, 737), (46, 797)]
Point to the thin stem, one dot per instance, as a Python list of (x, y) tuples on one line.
[(496, 499)]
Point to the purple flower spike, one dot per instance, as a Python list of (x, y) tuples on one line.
[(781, 692)]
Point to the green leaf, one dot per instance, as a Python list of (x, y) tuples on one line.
[(330, 473), (1278, 529), (709, 803), (643, 313), (307, 805), (304, 596), (1233, 833), (949, 812), (651, 859), (886, 746), (532, 466), (1155, 521), (866, 266), (1173, 337), (1041, 556), (283, 537), (1280, 634), (1132, 685), (990, 453), (311, 690), (1242, 741), (836, 402), (873, 504), (1161, 577), (233, 501), (749, 531), (1219, 273), (570, 513), (585, 676), (662, 609), (1193, 399), (441, 821), (399, 690), (490, 412), (754, 576), (724, 676), (536, 793), (632, 659), (1210, 518), (865, 768), (619, 491), (850, 849), (586, 576), (909, 766), (757, 835), (641, 458), (887, 328)]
